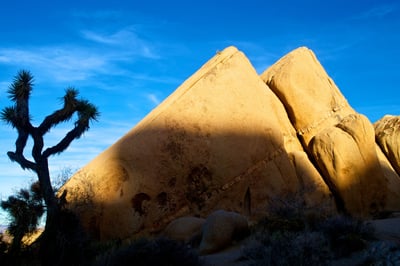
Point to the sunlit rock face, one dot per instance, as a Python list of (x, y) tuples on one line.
[(387, 131), (222, 140), (229, 139), (340, 141)]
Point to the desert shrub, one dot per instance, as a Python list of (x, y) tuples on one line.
[(99, 248), (288, 248), (25, 209), (383, 253), (160, 251), (280, 224), (281, 241), (290, 213), (293, 234), (346, 235), (282, 216)]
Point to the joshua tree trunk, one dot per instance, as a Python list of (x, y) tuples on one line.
[(47, 191)]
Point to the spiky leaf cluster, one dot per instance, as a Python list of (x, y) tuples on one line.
[(18, 117), (21, 88)]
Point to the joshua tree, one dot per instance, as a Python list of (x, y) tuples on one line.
[(18, 117)]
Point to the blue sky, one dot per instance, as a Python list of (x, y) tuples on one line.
[(127, 56)]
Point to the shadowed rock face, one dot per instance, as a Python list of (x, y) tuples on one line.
[(226, 140)]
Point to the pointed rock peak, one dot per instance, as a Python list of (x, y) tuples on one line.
[(228, 51), (299, 54), (299, 50), (309, 95), (220, 58)]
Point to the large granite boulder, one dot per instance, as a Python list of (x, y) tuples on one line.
[(184, 229), (340, 141), (311, 98), (346, 154), (221, 229), (387, 131), (222, 140)]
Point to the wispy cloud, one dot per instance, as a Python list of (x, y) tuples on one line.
[(377, 12), (127, 38), (107, 54), (61, 63)]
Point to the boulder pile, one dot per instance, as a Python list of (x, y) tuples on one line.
[(230, 139)]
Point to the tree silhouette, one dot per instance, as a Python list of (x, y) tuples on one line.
[(18, 117), (25, 209)]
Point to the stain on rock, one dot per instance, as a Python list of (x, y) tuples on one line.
[(137, 202), (172, 182), (162, 199), (198, 185)]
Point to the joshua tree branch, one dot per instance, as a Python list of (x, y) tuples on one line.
[(75, 133), (63, 114), (22, 161), (55, 118)]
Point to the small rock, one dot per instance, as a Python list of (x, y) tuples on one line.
[(184, 229), (221, 229)]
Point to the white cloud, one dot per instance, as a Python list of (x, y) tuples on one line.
[(126, 38), (376, 12), (81, 61), (61, 63)]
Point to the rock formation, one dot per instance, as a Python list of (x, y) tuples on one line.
[(341, 142), (230, 139), (387, 132)]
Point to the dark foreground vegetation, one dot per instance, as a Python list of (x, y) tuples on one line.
[(76, 250), (291, 234), (288, 235)]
